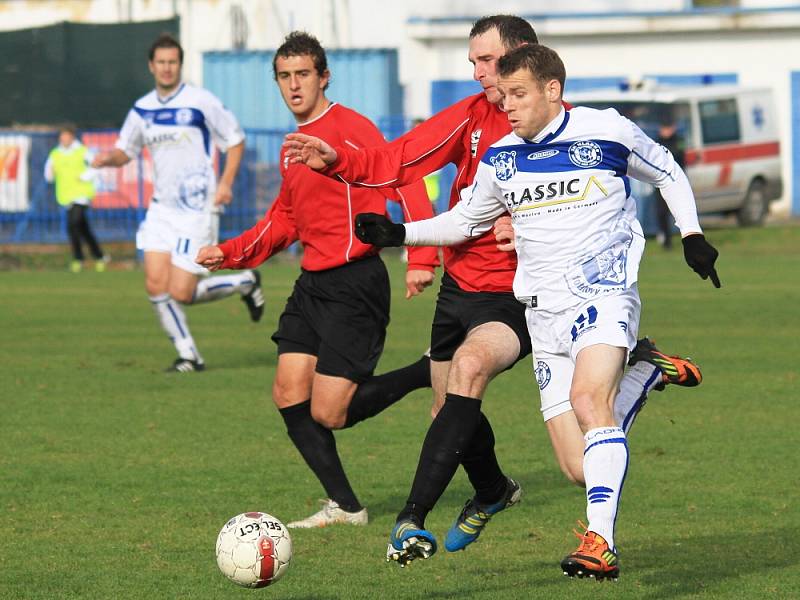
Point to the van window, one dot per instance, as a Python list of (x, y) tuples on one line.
[(650, 115), (719, 121)]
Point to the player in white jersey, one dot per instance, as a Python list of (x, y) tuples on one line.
[(563, 177), (178, 123)]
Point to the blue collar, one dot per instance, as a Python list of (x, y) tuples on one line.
[(170, 97), (551, 136)]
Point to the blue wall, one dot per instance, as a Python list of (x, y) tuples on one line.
[(364, 80), (445, 92)]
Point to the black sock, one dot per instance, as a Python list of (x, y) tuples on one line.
[(442, 451), (379, 392), (480, 463), (318, 448)]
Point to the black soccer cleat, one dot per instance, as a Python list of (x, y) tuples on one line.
[(254, 300)]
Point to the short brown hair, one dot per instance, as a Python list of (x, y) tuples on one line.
[(300, 43), (165, 40), (513, 31), (540, 61), (68, 128)]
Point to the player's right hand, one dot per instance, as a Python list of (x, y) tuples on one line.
[(309, 150), (100, 160), (211, 257), (504, 234), (378, 230)]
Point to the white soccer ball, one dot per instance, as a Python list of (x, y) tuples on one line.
[(254, 549)]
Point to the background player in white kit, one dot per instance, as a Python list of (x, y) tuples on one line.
[(563, 177), (178, 123)]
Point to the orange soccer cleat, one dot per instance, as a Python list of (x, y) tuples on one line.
[(674, 369), (593, 558)]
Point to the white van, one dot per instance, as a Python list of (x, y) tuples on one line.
[(730, 135)]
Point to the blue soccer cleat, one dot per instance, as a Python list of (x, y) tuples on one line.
[(408, 542), (474, 517)]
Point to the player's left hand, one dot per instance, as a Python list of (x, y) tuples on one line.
[(504, 234), (378, 230), (701, 256), (416, 282), (211, 257), (224, 194)]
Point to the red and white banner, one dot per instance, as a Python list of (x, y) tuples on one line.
[(14, 150), (119, 188)]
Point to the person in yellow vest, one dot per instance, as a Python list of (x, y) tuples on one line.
[(68, 167)]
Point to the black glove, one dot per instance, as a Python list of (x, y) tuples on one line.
[(375, 229), (701, 256)]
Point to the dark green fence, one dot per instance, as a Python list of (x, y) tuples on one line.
[(87, 74)]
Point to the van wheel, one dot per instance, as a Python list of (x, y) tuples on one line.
[(755, 207)]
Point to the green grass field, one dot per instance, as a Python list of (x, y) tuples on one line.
[(115, 477)]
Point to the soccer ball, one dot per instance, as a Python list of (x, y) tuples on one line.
[(254, 549)]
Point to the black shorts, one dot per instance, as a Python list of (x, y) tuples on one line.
[(340, 316), (458, 312)]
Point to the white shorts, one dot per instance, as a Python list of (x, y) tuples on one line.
[(558, 337), (179, 233)]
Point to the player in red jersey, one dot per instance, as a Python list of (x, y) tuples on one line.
[(333, 328), (479, 327)]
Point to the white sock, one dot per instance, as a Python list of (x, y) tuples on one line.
[(173, 321), (222, 286), (633, 390), (605, 462)]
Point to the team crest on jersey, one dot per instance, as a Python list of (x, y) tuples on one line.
[(193, 190), (505, 164), (585, 154), (183, 116), (473, 142), (543, 374), (605, 272)]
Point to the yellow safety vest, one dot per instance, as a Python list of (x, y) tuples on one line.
[(68, 166)]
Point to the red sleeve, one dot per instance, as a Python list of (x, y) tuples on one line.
[(269, 236), (417, 206), (423, 150), (413, 198)]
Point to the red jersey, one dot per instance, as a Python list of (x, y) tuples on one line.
[(319, 210), (460, 134)]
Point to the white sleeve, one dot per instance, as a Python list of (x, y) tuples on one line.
[(225, 129), (441, 230), (89, 156), (131, 136), (89, 174), (49, 175), (654, 164), (474, 215)]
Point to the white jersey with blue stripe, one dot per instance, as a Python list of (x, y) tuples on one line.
[(179, 131), (568, 193)]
